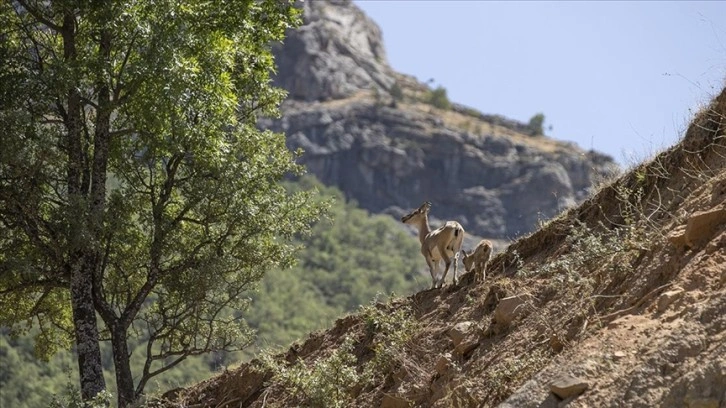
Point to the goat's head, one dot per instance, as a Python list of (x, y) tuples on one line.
[(416, 214)]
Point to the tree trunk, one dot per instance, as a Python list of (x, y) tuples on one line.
[(121, 358), (82, 262), (90, 368)]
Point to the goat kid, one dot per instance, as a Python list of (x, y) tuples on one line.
[(441, 243), (477, 259)]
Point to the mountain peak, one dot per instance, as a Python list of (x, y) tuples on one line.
[(336, 52)]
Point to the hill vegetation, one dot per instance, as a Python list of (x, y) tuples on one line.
[(620, 301), (335, 274)]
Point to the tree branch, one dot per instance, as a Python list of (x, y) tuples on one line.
[(46, 283), (38, 16)]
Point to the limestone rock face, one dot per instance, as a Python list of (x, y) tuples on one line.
[(390, 160), (337, 51), (390, 154)]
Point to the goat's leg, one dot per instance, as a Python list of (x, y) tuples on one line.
[(432, 269), (456, 268), (447, 260)]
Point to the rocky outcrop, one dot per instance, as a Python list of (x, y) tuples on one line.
[(392, 154), (391, 159), (337, 51)]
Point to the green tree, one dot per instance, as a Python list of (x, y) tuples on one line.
[(340, 276), (536, 124), (439, 99), (133, 181)]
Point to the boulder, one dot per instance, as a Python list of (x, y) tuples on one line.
[(510, 308), (465, 336), (667, 298), (461, 331), (443, 364), (567, 386), (701, 225)]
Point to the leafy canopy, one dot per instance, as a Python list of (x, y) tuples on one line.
[(131, 159)]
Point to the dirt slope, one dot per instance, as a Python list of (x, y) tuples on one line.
[(620, 302)]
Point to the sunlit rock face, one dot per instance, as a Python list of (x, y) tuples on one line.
[(392, 154), (337, 51)]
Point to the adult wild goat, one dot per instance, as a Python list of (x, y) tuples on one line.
[(441, 243)]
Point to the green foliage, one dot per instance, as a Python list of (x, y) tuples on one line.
[(501, 376), (25, 381), (438, 98), (391, 331), (344, 264), (592, 248), (587, 250), (28, 382), (289, 303), (327, 383), (396, 92), (72, 399), (133, 178), (332, 381), (536, 124)]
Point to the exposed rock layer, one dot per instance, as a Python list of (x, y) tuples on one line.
[(391, 155)]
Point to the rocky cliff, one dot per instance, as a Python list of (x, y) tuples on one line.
[(370, 131)]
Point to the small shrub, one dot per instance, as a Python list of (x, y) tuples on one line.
[(72, 399), (331, 381), (396, 92), (327, 383), (392, 330), (536, 125), (588, 250), (513, 371), (438, 98)]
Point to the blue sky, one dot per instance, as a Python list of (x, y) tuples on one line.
[(623, 78)]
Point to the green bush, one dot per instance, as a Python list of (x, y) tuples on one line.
[(438, 98), (326, 383), (396, 92), (330, 382), (536, 125)]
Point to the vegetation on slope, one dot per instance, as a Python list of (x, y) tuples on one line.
[(345, 263), (625, 294), (334, 275)]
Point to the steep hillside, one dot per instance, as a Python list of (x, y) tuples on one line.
[(620, 301), (391, 142)]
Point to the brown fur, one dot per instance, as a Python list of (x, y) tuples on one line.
[(477, 259), (441, 243)]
